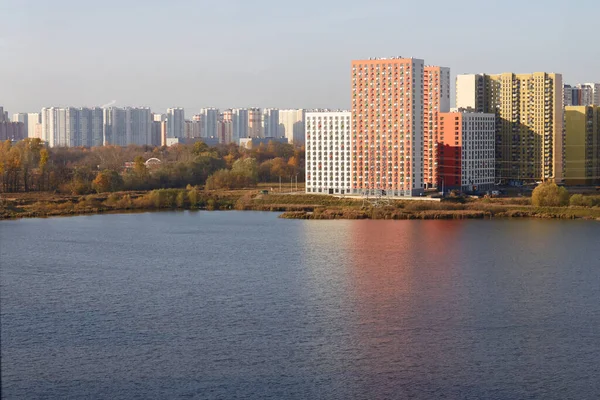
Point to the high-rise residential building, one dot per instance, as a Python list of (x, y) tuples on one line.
[(567, 95), (582, 145), (193, 128), (270, 122), (291, 125), (586, 94), (209, 118), (175, 123), (225, 131), (595, 93), (582, 94), (255, 123), (72, 127), (471, 92), (125, 126), (436, 100), (13, 131), (466, 151), (387, 126), (3, 115), (91, 127), (155, 134), (159, 117), (328, 152), (239, 123), (34, 125), (21, 117), (529, 123)]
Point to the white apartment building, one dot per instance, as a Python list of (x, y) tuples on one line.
[(291, 125), (175, 123), (209, 118), (239, 122), (71, 127), (328, 152), (125, 126), (270, 122)]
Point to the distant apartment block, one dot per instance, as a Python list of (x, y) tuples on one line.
[(20, 117), (466, 151), (387, 126), (436, 100), (328, 152), (583, 94), (239, 122), (582, 145), (175, 122), (255, 123), (291, 125), (125, 126), (209, 118), (72, 127), (529, 122), (567, 95), (34, 125), (3, 115), (31, 122), (270, 122), (224, 132), (13, 131), (193, 128)]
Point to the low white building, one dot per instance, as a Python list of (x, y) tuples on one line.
[(328, 152)]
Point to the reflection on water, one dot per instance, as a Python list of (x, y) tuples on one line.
[(245, 305)]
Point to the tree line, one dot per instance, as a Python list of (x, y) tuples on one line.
[(29, 165)]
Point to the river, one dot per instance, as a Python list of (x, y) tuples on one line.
[(225, 305)]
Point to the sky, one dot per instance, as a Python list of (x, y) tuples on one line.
[(264, 53)]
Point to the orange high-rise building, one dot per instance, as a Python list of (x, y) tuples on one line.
[(387, 126), (436, 97)]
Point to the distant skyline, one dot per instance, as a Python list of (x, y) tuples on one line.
[(196, 54)]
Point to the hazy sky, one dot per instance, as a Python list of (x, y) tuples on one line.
[(264, 53)]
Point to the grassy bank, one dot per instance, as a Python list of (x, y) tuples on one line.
[(297, 206)]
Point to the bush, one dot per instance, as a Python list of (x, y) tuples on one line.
[(192, 196), (229, 179), (107, 181), (581, 201), (181, 199), (549, 195)]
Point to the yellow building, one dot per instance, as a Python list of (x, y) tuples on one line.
[(582, 145), (529, 122)]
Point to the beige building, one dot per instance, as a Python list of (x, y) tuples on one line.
[(582, 145), (529, 122)]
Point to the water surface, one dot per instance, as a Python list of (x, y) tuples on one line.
[(223, 305)]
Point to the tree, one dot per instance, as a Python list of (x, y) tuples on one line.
[(581, 201), (44, 156), (107, 181), (139, 167), (200, 148), (247, 167), (549, 195)]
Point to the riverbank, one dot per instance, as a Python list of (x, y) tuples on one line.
[(293, 206)]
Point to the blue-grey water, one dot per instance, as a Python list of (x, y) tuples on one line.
[(243, 305)]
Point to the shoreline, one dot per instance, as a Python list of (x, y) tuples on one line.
[(292, 206)]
